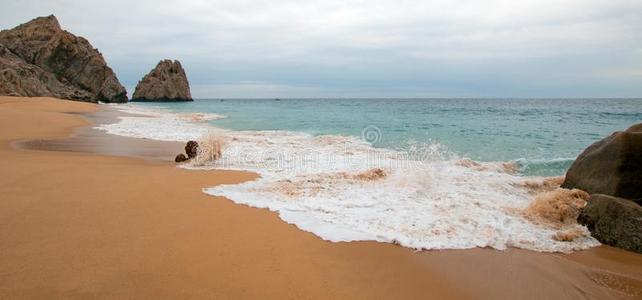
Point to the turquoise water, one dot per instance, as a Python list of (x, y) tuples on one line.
[(543, 135)]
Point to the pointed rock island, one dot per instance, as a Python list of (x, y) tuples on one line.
[(166, 82), (40, 59)]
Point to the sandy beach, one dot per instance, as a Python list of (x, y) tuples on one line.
[(84, 214)]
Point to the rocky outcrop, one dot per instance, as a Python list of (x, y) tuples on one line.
[(18, 78), (614, 221), (166, 82), (38, 58), (611, 166), (611, 171)]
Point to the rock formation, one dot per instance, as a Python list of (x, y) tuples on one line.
[(38, 58), (611, 171), (614, 221), (180, 158), (191, 148), (166, 82), (611, 166)]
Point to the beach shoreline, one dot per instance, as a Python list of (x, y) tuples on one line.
[(89, 139), (91, 214)]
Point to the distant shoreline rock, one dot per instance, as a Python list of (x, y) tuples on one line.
[(166, 82), (40, 59)]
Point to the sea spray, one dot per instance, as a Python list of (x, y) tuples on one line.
[(558, 207), (210, 148)]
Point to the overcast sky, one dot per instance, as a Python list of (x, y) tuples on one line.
[(429, 48)]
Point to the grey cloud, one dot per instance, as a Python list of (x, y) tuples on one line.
[(366, 48)]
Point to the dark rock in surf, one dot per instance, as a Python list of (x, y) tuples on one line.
[(191, 148), (611, 166), (614, 221), (180, 158)]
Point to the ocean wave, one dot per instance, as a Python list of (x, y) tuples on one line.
[(543, 167), (342, 189), (153, 123), (200, 117)]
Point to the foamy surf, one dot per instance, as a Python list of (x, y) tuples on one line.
[(158, 124), (342, 189)]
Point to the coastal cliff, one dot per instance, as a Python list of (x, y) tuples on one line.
[(39, 58), (166, 82)]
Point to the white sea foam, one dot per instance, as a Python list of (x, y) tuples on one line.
[(155, 124), (428, 200)]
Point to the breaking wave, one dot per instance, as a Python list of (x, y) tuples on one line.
[(543, 167), (341, 188)]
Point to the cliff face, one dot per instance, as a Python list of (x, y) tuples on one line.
[(166, 82), (38, 58)]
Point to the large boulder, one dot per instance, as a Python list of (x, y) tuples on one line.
[(611, 166), (166, 82), (614, 221), (38, 58)]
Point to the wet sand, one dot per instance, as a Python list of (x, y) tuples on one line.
[(112, 217), (89, 140)]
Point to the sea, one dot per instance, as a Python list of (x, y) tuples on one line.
[(422, 173)]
